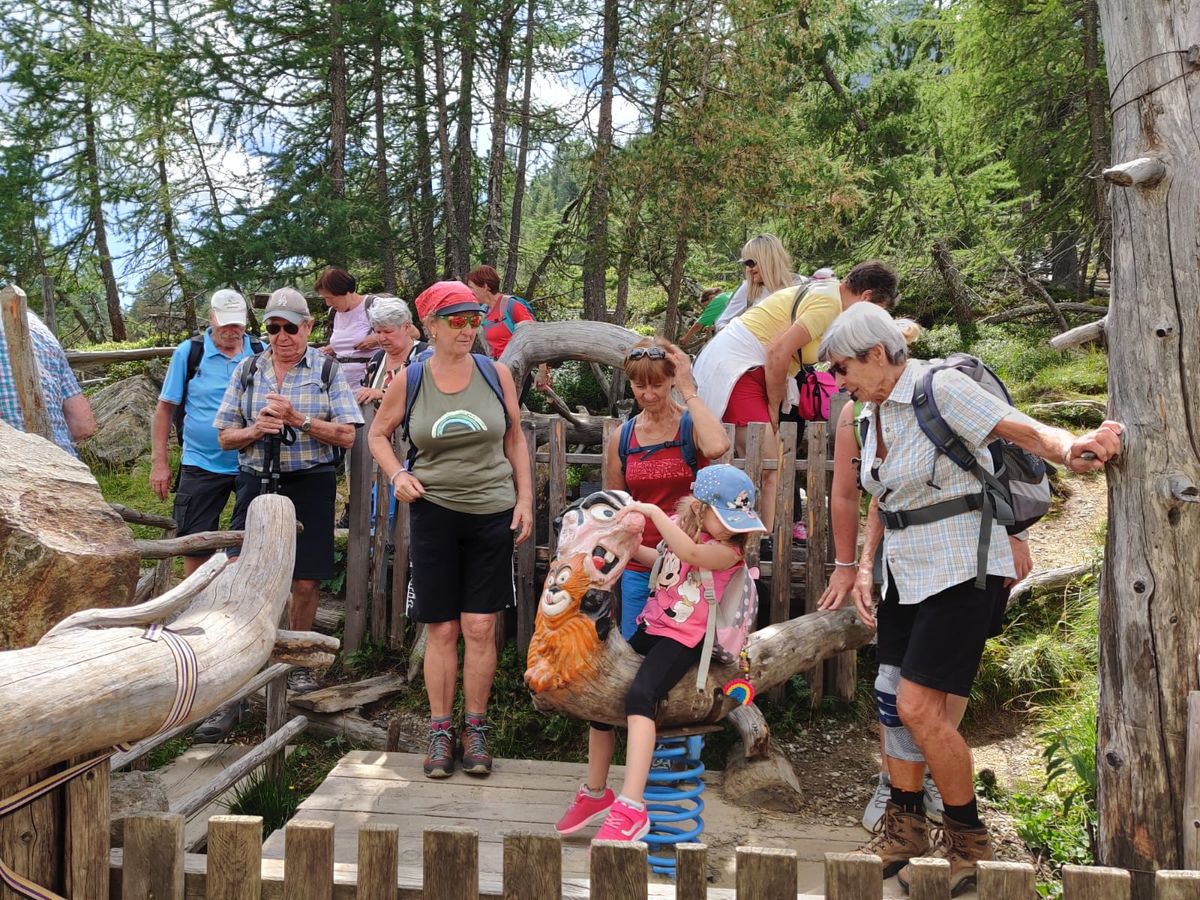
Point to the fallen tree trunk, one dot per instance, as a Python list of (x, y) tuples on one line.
[(107, 683), (1076, 337), (534, 343), (1046, 580), (1021, 312), (200, 542), (81, 358)]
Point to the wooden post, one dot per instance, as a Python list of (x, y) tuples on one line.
[(380, 622), (30, 837), (451, 864), (26, 380), (49, 313), (88, 806), (841, 671), (358, 545), (727, 456), (930, 879), (378, 853), (277, 716), (1095, 883), (527, 593), (308, 861), (817, 525), (1006, 879), (755, 436), (1190, 826), (153, 859), (532, 867), (400, 557), (784, 500), (234, 858), (619, 870), (691, 872), (853, 876), (556, 459), (606, 429), (1176, 885), (764, 874)]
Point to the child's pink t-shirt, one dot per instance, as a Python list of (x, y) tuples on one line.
[(677, 608)]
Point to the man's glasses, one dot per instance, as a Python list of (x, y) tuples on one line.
[(748, 263), (647, 352), (276, 327), (459, 321)]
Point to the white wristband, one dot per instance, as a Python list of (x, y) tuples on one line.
[(844, 565)]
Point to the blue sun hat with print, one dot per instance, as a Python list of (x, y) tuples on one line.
[(730, 492)]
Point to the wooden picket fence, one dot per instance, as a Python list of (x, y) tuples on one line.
[(153, 864)]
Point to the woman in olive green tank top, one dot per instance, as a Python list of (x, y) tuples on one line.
[(471, 499)]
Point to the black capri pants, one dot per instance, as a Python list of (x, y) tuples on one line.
[(665, 662)]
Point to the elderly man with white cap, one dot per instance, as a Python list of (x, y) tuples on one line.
[(286, 412)]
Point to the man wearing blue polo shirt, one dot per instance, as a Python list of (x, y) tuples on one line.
[(207, 474)]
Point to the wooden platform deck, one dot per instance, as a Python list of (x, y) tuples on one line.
[(525, 795)]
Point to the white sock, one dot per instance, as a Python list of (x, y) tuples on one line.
[(634, 804)]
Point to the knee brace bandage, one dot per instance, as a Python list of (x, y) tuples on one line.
[(898, 743)]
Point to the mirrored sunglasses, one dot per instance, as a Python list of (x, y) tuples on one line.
[(276, 327), (459, 321), (647, 352)]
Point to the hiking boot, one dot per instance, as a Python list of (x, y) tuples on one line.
[(439, 760), (902, 836), (876, 806), (585, 809), (963, 847), (624, 823), (934, 807), (219, 724), (301, 681), (476, 760)]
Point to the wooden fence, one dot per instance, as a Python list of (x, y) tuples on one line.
[(375, 612), (153, 864)]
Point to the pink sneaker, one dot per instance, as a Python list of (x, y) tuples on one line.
[(584, 810), (624, 823)]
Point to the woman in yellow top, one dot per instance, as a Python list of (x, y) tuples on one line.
[(747, 372)]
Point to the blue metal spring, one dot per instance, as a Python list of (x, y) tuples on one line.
[(673, 798)]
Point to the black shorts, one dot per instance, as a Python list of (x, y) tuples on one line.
[(312, 492), (938, 642), (200, 498), (461, 563)]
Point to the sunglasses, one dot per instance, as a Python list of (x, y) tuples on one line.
[(647, 352), (748, 263), (459, 321), (276, 327)]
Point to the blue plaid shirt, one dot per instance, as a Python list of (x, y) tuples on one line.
[(58, 382), (303, 387)]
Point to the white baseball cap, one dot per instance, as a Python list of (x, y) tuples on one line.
[(228, 307)]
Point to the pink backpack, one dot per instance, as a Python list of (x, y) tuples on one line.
[(815, 390)]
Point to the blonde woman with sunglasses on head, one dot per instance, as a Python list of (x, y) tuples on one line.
[(468, 486), (768, 268)]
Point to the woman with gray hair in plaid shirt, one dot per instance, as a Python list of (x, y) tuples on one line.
[(934, 617)]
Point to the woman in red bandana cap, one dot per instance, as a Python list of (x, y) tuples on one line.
[(470, 494)]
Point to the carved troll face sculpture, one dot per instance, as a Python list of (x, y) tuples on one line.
[(573, 612)]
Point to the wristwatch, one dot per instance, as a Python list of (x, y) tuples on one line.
[(306, 425)]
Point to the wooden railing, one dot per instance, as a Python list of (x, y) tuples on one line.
[(153, 864)]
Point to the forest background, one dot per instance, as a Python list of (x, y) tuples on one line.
[(609, 157)]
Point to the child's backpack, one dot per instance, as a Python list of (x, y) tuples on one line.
[(1018, 493), (685, 443), (413, 374), (729, 619)]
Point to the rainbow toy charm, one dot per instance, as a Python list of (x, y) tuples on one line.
[(740, 691)]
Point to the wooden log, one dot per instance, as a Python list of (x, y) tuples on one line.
[(358, 545), (1082, 334), (853, 876), (87, 830), (82, 358), (1190, 824), (1033, 287), (1176, 885), (532, 866), (1021, 312), (527, 593), (618, 870), (765, 874), (230, 628), (308, 861), (753, 729), (930, 879), (23, 362), (817, 526), (378, 852), (552, 342), (451, 863), (691, 872), (1046, 580), (1006, 879), (304, 648), (234, 858), (352, 694), (1095, 883), (153, 858), (206, 793), (1143, 172), (200, 542), (137, 517)]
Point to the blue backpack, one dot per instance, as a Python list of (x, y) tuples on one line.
[(685, 443), (506, 311), (414, 372)]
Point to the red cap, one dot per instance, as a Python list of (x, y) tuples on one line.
[(447, 297)]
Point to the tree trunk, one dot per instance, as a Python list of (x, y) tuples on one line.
[(1097, 113), (337, 102), (464, 162), (455, 254), (495, 188), (958, 291), (1149, 618), (387, 249), (112, 296), (552, 248), (426, 205), (514, 227), (595, 254), (671, 318)]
